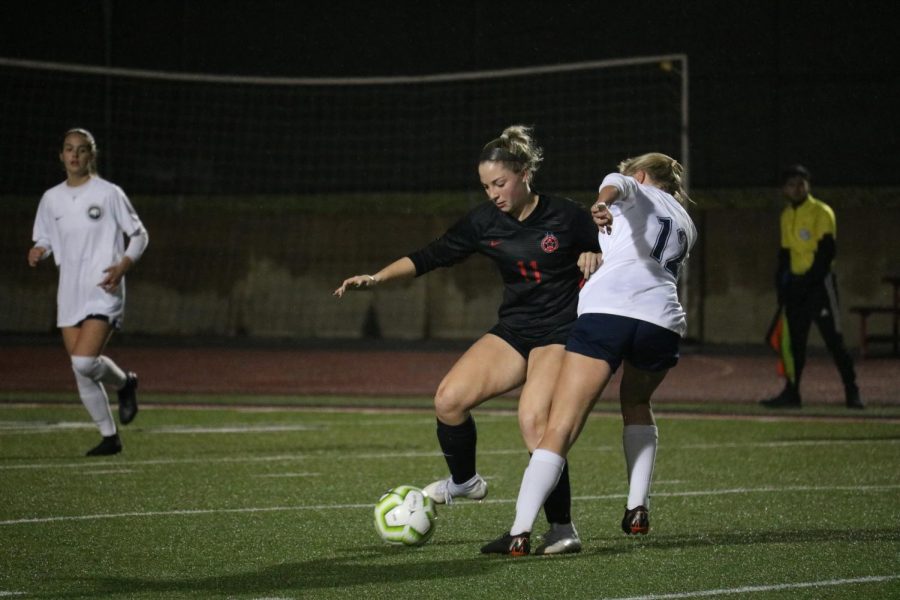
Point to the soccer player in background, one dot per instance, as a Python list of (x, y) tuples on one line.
[(80, 222), (628, 311), (536, 241), (807, 287)]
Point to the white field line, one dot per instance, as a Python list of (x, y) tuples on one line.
[(81, 464), (369, 505), (106, 472), (37, 427), (418, 454), (32, 427), (775, 587), (6, 594), (276, 475), (235, 429)]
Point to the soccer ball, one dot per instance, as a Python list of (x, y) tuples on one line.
[(405, 515)]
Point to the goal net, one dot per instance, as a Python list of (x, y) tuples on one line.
[(262, 149)]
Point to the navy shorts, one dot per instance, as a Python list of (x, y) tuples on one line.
[(614, 338), (525, 344)]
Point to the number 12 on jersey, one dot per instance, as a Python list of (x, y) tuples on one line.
[(673, 264)]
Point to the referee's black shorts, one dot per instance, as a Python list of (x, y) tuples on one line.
[(614, 338)]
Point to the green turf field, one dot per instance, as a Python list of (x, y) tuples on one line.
[(277, 503)]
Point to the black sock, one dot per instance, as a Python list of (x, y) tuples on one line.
[(558, 506), (458, 444)]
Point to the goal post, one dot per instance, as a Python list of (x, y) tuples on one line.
[(248, 145), (187, 134)]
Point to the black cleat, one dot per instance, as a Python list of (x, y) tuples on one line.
[(788, 398), (636, 521), (128, 407), (109, 445), (511, 545), (853, 399)]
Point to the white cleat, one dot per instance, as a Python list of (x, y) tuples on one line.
[(561, 538), (443, 491)]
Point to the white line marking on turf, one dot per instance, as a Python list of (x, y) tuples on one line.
[(253, 459), (198, 511), (234, 429), (783, 444), (419, 454), (368, 505), (752, 589), (107, 472), (287, 475), (28, 427), (5, 593)]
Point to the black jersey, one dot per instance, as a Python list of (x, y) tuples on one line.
[(537, 259)]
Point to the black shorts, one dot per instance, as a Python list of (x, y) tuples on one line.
[(614, 338), (115, 323), (524, 344)]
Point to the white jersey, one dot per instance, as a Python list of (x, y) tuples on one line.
[(82, 227), (651, 237)]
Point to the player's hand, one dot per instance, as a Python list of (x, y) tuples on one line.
[(35, 255), (114, 275), (602, 217), (355, 283), (589, 262)]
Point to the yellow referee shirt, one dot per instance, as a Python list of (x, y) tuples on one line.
[(802, 228)]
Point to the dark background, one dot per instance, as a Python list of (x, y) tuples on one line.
[(770, 82)]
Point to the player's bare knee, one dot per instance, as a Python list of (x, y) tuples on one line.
[(451, 406)]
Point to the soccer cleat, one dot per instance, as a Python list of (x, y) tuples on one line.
[(443, 491), (853, 399), (128, 407), (788, 398), (110, 444), (511, 545), (561, 538), (636, 520)]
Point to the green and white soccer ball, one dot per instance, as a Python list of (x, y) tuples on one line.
[(405, 515)]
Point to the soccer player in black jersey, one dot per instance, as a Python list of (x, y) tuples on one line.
[(543, 246)]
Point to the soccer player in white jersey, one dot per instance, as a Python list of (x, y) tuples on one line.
[(628, 311), (80, 223)]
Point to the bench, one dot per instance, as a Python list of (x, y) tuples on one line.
[(866, 311)]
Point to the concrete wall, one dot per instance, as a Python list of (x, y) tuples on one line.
[(270, 274)]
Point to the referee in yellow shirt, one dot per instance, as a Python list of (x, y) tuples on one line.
[(806, 285)]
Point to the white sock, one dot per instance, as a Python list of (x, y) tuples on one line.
[(111, 373), (94, 398), (639, 442), (539, 479), (99, 368)]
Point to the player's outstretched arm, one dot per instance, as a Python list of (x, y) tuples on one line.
[(402, 268)]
